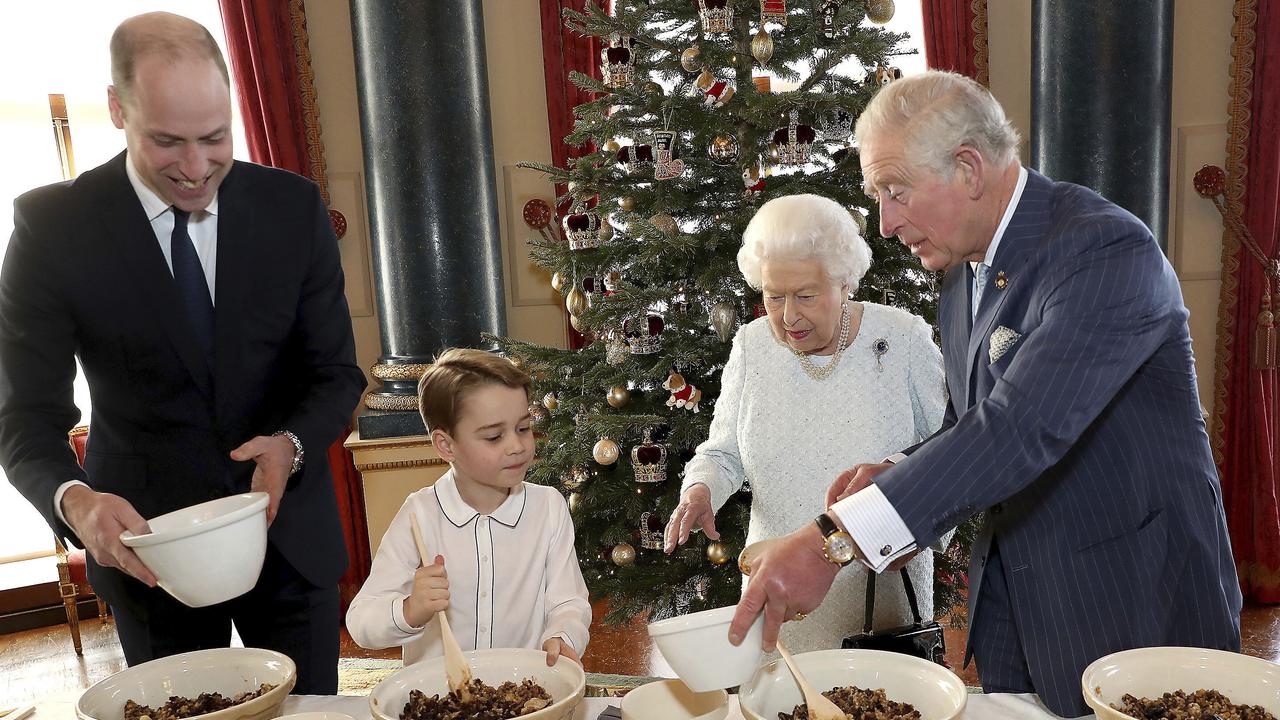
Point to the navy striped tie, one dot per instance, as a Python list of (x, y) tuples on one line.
[(193, 289)]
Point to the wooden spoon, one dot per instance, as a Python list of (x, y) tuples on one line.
[(820, 708), (455, 665)]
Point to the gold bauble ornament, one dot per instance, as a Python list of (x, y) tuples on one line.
[(606, 231), (723, 150), (618, 396), (691, 59), (606, 451), (612, 146), (576, 302), (576, 478), (575, 499), (550, 401), (557, 282), (576, 322), (538, 415), (626, 202), (665, 223), (880, 11), (653, 88), (623, 554), (762, 46), (718, 553)]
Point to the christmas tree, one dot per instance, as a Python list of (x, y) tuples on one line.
[(685, 140)]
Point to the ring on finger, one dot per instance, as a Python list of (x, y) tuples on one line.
[(799, 616)]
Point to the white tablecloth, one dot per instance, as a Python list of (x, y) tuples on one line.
[(980, 707)]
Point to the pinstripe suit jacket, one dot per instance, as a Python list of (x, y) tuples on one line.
[(1084, 442)]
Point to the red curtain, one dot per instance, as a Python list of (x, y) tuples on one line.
[(271, 66), (355, 526), (1247, 410), (265, 41), (563, 52), (955, 36)]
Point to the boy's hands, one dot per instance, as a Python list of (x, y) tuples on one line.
[(430, 593), (556, 647)]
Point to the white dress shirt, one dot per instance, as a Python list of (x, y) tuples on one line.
[(514, 580), (201, 226), (868, 515)]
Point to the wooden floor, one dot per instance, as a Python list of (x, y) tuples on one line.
[(40, 663)]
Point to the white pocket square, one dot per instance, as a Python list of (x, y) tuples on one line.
[(1002, 339)]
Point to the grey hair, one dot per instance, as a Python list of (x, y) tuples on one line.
[(933, 114), (805, 227)]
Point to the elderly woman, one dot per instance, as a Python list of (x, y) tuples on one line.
[(818, 385)]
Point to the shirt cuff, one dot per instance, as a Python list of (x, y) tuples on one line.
[(875, 526), (57, 498), (896, 458), (398, 618)]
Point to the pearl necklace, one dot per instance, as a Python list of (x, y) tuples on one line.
[(822, 372)]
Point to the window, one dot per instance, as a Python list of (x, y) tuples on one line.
[(61, 48)]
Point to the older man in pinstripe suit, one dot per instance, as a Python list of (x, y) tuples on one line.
[(1073, 417)]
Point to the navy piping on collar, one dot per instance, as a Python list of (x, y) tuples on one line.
[(475, 643), (524, 501)]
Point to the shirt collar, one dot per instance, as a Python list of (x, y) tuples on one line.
[(152, 205), (460, 513), (1004, 220)]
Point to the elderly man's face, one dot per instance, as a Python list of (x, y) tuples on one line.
[(177, 125), (932, 215), (803, 304)]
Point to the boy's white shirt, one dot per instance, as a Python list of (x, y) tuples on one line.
[(514, 579)]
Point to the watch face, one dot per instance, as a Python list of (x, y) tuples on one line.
[(839, 547)]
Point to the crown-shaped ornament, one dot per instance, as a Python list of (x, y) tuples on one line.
[(644, 335), (649, 461), (794, 141), (582, 227), (634, 158), (773, 11), (716, 15), (617, 64), (651, 531)]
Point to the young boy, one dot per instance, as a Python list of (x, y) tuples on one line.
[(504, 565)]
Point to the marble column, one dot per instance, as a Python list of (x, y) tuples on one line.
[(433, 211), (1101, 100)]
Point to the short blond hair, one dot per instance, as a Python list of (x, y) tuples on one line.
[(933, 114), (456, 373)]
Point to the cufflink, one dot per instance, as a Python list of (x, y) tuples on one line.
[(886, 551)]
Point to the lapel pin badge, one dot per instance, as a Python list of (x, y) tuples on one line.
[(1002, 280)]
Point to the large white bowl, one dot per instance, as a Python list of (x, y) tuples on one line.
[(229, 671), (697, 648), (207, 553), (1152, 672), (673, 700), (565, 682), (933, 690)]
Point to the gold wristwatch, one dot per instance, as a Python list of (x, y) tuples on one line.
[(837, 544)]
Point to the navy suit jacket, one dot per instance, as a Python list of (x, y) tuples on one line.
[(84, 277), (1084, 442)]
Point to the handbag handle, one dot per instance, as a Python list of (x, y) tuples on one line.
[(871, 600)]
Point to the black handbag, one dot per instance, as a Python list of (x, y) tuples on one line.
[(921, 639)]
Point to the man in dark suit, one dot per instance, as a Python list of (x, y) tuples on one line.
[(1073, 418), (204, 300)]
